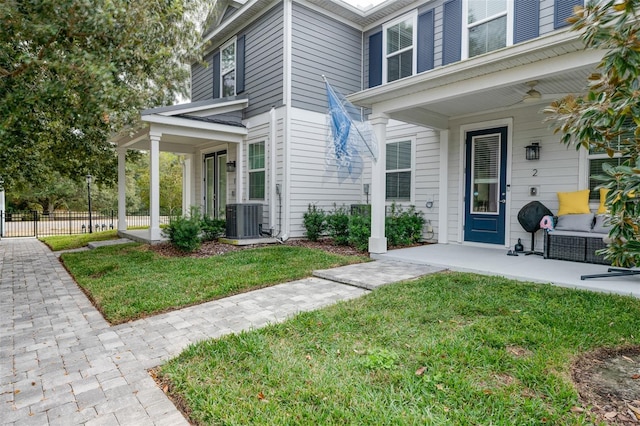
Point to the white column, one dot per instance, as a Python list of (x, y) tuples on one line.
[(187, 183), (377, 241), (154, 185), (122, 189), (443, 200), (239, 171)]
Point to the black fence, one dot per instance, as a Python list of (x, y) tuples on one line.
[(34, 223)]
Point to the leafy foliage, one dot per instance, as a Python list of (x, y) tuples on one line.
[(360, 230), (403, 227), (338, 225), (314, 222), (212, 228), (74, 72), (607, 116), (184, 231)]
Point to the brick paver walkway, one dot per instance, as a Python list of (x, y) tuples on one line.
[(61, 363)]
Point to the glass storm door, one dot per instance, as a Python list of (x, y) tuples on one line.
[(215, 182), (485, 186)]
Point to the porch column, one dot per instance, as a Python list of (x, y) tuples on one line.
[(239, 172), (377, 241), (3, 212), (154, 186), (122, 189), (187, 187), (443, 200)]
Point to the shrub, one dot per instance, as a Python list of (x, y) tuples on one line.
[(403, 227), (359, 231), (212, 228), (184, 232), (338, 225), (314, 222)]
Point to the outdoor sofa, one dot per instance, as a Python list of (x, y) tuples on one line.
[(577, 237)]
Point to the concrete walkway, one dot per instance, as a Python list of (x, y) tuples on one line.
[(61, 362)]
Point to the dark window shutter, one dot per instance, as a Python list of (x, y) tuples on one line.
[(375, 59), (526, 20), (563, 9), (240, 64), (425, 41), (216, 75), (452, 32)]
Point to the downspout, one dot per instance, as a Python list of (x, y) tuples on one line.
[(286, 187), (272, 171)]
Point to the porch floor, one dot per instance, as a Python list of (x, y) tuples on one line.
[(494, 261), (141, 236)]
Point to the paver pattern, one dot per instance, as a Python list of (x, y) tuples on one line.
[(62, 363)]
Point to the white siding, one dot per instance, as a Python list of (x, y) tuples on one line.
[(546, 16), (557, 170)]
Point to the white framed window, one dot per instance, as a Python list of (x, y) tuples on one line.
[(597, 157), (399, 48), (228, 69), (256, 157), (399, 170), (488, 26)]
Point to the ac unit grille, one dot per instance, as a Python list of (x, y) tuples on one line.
[(243, 220)]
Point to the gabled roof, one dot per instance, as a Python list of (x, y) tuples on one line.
[(360, 17)]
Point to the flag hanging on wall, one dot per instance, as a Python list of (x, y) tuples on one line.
[(349, 135)]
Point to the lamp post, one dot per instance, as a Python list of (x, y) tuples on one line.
[(89, 198)]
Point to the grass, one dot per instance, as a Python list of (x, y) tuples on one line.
[(449, 348), (67, 242), (130, 281)]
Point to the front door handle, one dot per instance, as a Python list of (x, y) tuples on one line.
[(503, 201)]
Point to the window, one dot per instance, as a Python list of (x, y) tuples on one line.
[(228, 69), (399, 49), (256, 171), (398, 182), (598, 157), (487, 26)]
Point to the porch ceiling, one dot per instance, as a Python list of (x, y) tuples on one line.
[(492, 82)]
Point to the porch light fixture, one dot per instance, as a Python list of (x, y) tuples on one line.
[(532, 151), (231, 166)]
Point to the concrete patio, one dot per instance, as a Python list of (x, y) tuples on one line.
[(494, 261)]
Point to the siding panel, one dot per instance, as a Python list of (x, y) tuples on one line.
[(263, 62), (202, 80), (322, 46)]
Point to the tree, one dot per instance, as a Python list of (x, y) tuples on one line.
[(170, 182), (608, 116), (75, 72)]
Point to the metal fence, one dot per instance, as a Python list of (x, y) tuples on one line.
[(34, 223)]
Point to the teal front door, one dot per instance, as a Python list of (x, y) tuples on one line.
[(485, 185)]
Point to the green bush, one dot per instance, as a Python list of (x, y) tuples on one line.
[(403, 227), (338, 225), (212, 228), (360, 231), (184, 232), (314, 222)]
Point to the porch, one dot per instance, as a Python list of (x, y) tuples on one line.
[(494, 261)]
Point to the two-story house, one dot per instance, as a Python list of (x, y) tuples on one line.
[(453, 89)]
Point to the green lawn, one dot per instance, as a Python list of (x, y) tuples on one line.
[(129, 281), (67, 242), (450, 348)]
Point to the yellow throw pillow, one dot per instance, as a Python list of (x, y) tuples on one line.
[(573, 202), (602, 208)]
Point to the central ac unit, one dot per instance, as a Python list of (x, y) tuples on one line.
[(243, 220)]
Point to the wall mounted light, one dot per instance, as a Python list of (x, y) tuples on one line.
[(231, 166), (532, 151)]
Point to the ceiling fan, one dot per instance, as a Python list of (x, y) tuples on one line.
[(532, 95)]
